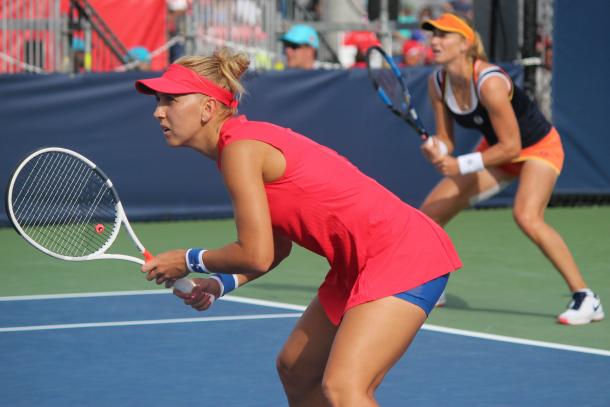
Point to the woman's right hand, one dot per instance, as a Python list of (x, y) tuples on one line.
[(202, 296), (432, 149)]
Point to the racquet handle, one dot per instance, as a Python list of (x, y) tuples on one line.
[(184, 284)]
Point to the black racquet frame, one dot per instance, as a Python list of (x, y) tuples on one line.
[(406, 112)]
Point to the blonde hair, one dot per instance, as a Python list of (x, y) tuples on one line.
[(224, 67), (477, 51)]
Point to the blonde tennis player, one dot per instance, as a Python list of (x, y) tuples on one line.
[(518, 143), (388, 261)]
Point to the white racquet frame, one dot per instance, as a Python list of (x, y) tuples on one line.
[(183, 284)]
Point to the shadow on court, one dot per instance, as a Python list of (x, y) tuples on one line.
[(286, 287), (455, 302)]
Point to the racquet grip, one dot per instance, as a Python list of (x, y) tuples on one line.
[(184, 284)]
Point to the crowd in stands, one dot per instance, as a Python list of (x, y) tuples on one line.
[(300, 44), (242, 22), (411, 44)]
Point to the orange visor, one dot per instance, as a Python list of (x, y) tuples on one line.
[(450, 23)]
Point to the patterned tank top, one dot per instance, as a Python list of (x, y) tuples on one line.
[(533, 126)]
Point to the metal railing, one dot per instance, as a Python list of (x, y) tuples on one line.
[(30, 36), (247, 25), (100, 48), (39, 36), (43, 36)]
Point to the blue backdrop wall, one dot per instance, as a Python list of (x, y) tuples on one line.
[(580, 89), (104, 118)]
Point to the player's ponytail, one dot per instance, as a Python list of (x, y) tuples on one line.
[(232, 66), (477, 50)]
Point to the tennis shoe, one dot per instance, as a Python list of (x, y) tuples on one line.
[(442, 300), (585, 307)]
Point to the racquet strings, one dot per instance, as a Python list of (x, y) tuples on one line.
[(64, 205), (388, 83)]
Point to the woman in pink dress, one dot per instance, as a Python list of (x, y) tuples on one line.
[(388, 261)]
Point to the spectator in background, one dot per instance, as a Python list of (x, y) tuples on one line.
[(462, 8), (425, 13), (78, 55), (301, 43), (415, 51), (309, 10), (176, 21), (547, 60), (406, 20), (544, 77), (142, 55), (362, 41)]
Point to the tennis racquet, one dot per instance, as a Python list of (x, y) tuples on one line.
[(64, 205), (391, 86)]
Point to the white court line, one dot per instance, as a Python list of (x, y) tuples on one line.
[(146, 322), (82, 295), (446, 330), (274, 304), (510, 339)]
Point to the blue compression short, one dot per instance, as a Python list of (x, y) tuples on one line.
[(427, 294)]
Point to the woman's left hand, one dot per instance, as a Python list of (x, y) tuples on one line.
[(448, 166), (204, 293), (166, 267)]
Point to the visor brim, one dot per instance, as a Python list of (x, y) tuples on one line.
[(431, 25), (161, 85)]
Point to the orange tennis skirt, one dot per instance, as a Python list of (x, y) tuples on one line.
[(548, 150)]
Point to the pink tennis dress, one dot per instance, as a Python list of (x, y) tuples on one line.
[(376, 244)]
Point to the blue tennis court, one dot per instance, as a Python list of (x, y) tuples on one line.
[(148, 349)]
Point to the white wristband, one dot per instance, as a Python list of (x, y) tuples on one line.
[(469, 163)]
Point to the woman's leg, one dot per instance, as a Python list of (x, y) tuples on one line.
[(535, 187), (371, 339), (302, 360), (453, 194), (536, 184)]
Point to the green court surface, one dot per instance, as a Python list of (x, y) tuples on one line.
[(506, 286)]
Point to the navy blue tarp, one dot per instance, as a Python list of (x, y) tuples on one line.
[(102, 117), (580, 89)]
